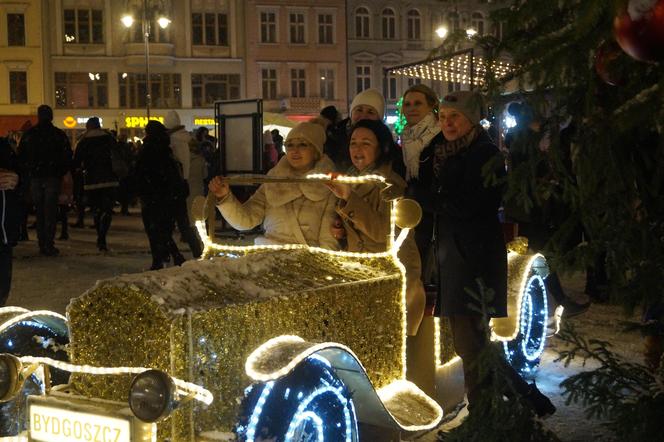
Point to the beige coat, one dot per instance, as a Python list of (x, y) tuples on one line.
[(366, 218), (291, 213)]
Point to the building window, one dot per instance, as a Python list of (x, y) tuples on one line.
[(414, 25), (413, 81), (207, 88), (296, 27), (453, 21), (157, 33), (84, 26), (389, 24), (497, 30), (327, 84), (298, 83), (81, 89), (362, 23), (362, 78), (391, 87), (325, 29), (269, 84), (477, 22), (165, 90), (268, 27), (209, 29), (15, 29), (18, 87)]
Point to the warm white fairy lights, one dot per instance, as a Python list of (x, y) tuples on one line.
[(270, 345), (27, 315), (528, 314), (196, 391), (455, 69), (9, 310)]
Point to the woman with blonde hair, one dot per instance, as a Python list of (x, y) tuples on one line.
[(291, 213)]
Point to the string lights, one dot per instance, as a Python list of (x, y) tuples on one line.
[(455, 69), (199, 393)]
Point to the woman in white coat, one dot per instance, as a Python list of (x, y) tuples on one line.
[(291, 213)]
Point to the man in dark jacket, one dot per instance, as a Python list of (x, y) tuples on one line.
[(45, 154), (9, 215), (93, 156)]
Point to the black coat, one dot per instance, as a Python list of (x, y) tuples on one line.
[(469, 239), (9, 201), (44, 151), (157, 174), (93, 155)]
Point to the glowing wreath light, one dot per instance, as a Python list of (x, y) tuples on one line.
[(199, 393), (522, 289), (301, 414), (28, 315), (258, 409), (527, 321)]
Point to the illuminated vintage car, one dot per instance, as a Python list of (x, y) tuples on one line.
[(283, 342)]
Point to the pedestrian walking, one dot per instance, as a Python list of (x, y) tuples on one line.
[(93, 156), (44, 152), (160, 187)]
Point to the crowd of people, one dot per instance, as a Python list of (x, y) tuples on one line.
[(41, 174), (441, 161)]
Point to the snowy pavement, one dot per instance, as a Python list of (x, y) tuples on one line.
[(50, 282)]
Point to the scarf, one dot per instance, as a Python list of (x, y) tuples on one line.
[(414, 140), (278, 194), (448, 149)]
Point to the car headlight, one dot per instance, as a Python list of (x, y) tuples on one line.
[(10, 367), (152, 396)]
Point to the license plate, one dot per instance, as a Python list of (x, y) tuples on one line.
[(68, 418)]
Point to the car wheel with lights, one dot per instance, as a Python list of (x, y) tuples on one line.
[(308, 404), (524, 352)]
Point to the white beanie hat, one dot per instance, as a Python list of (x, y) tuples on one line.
[(172, 120), (370, 97)]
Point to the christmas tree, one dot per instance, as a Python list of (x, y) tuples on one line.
[(589, 82)]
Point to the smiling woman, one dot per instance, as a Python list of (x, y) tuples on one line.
[(291, 213)]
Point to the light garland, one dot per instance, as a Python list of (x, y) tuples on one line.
[(28, 315), (199, 393), (520, 353), (301, 414), (258, 409), (525, 273), (9, 310)]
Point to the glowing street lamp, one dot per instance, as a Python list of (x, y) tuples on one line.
[(441, 31), (128, 21)]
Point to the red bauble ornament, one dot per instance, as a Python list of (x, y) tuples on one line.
[(639, 29), (606, 64)]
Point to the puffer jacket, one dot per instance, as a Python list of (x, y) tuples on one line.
[(45, 152), (291, 213), (366, 218)]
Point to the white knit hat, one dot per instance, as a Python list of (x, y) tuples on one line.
[(370, 97), (172, 120)]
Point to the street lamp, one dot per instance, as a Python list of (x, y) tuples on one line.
[(128, 21)]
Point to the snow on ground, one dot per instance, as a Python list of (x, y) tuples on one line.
[(48, 283)]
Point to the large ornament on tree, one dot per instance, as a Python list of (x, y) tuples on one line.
[(639, 29), (606, 63)]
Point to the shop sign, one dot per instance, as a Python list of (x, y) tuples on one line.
[(57, 425), (132, 122), (71, 122), (203, 121)]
